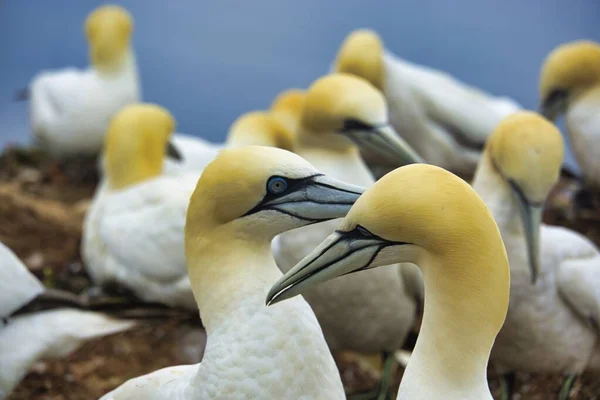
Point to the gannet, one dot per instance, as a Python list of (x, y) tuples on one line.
[(259, 128), (243, 199), (26, 338), (287, 108), (446, 121), (70, 109), (570, 84), (369, 312), (133, 231), (424, 215), (552, 322)]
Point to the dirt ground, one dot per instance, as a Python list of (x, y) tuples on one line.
[(42, 207)]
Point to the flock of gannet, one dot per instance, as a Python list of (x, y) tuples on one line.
[(287, 205)]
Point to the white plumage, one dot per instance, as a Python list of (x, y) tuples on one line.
[(253, 351), (134, 237), (26, 338), (70, 110)]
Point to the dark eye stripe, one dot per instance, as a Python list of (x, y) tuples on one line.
[(352, 124)]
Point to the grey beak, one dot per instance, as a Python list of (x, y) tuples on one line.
[(384, 141), (531, 217), (338, 255), (314, 199), (173, 152)]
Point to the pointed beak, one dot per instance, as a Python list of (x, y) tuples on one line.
[(384, 141), (531, 217), (314, 199), (173, 152), (340, 254)]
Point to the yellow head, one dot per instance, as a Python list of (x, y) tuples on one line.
[(424, 215), (341, 111), (568, 72), (136, 143), (361, 54), (259, 192), (527, 150), (259, 128), (108, 30), (287, 108)]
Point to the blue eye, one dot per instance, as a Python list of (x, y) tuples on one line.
[(277, 185)]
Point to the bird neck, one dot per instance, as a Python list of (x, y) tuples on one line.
[(128, 168), (125, 66), (466, 300), (342, 162), (497, 195), (230, 275)]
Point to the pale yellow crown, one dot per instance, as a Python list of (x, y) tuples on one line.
[(235, 181), (430, 208), (335, 98), (528, 150), (572, 67), (259, 128), (361, 54), (135, 144), (287, 108), (108, 30)]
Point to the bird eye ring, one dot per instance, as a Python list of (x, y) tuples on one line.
[(277, 185), (363, 231)]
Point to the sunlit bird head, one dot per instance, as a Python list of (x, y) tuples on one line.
[(414, 214), (108, 30), (258, 192), (342, 109), (527, 151), (260, 128), (361, 54), (136, 143), (287, 108), (568, 72)]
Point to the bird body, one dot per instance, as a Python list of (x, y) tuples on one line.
[(243, 199), (71, 109), (446, 121), (551, 323), (26, 338), (133, 231)]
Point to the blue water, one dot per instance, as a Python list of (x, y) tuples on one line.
[(209, 61)]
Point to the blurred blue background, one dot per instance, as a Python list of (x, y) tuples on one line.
[(210, 61)]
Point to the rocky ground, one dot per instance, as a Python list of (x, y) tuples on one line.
[(41, 208)]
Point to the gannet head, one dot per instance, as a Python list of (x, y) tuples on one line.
[(287, 108), (568, 71), (361, 54), (527, 151), (414, 213), (259, 192), (108, 30), (259, 128), (340, 109), (136, 143)]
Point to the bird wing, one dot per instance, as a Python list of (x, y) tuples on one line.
[(18, 286), (48, 334), (142, 229), (54, 93), (467, 112), (579, 275)]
